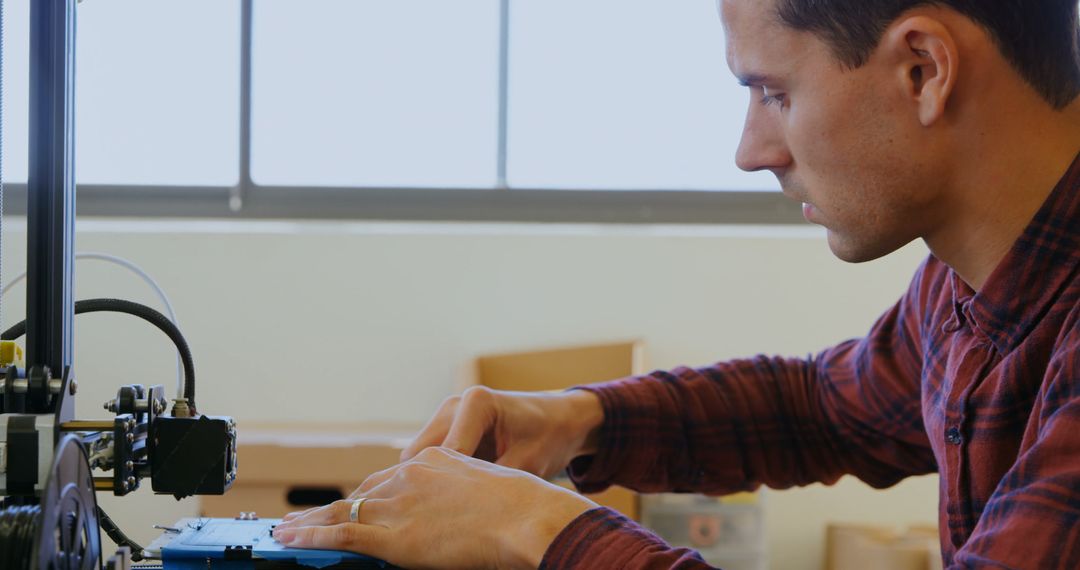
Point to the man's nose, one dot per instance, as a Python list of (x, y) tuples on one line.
[(762, 146)]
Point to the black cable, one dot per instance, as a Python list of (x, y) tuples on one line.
[(18, 525), (142, 311), (118, 535)]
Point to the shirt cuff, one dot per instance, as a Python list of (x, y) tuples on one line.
[(619, 399), (600, 538)]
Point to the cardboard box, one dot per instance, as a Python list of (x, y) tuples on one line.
[(851, 547), (560, 368), (288, 467)]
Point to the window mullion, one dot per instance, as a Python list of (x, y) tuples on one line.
[(243, 184), (504, 103)]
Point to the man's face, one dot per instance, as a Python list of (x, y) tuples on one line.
[(846, 143)]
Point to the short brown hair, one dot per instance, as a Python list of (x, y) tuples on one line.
[(1040, 38)]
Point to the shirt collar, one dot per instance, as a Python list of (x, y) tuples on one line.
[(1042, 261)]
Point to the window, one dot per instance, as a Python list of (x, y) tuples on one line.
[(383, 93), (156, 104), (623, 95), (539, 110)]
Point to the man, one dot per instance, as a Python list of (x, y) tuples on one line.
[(957, 122)]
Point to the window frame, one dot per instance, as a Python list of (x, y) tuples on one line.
[(248, 200)]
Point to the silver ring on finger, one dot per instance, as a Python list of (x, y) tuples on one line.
[(354, 509)]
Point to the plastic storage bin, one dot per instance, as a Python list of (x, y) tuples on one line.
[(728, 532)]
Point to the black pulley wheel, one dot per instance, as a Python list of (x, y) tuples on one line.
[(68, 537)]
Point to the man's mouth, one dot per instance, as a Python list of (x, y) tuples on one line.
[(808, 210)]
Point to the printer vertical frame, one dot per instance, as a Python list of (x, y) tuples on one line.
[(51, 195)]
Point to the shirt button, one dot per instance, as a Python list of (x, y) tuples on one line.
[(952, 435), (952, 325)]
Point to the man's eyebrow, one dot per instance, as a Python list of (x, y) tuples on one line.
[(753, 79)]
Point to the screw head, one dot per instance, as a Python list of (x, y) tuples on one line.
[(129, 465), (73, 386), (130, 437)]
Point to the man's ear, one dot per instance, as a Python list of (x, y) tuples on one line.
[(927, 61)]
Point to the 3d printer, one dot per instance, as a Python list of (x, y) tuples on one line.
[(49, 517)]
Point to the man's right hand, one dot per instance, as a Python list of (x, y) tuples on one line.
[(532, 431)]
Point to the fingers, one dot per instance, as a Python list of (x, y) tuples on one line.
[(435, 430), (334, 513), (475, 416), (337, 512), (295, 514), (460, 424), (364, 539)]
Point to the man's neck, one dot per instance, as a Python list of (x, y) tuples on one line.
[(1008, 175)]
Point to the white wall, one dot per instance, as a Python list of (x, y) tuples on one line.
[(379, 322)]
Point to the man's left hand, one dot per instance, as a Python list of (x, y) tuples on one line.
[(443, 509)]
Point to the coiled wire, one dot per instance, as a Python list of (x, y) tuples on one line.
[(18, 531)]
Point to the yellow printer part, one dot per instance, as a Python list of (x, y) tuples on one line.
[(11, 354)]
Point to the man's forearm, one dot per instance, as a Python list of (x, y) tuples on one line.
[(740, 424)]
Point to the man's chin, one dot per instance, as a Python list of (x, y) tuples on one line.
[(850, 250), (853, 250)]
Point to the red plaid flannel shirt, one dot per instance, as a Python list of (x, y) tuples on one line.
[(982, 388)]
